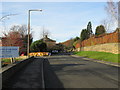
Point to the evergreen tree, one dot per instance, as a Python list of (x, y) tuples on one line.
[(89, 29), (84, 34), (76, 38), (38, 46), (100, 30), (25, 41)]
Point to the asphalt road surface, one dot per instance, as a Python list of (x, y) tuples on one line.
[(76, 72), (65, 71), (28, 77)]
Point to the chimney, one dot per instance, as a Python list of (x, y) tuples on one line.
[(46, 36)]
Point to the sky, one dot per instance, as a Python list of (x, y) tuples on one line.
[(64, 20)]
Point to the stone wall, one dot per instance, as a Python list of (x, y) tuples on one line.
[(108, 47)]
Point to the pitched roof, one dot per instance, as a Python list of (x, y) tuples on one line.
[(48, 39)]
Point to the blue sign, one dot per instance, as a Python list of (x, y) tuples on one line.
[(7, 52)]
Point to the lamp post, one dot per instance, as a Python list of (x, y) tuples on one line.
[(28, 46)]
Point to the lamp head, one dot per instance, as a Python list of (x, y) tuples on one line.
[(35, 10)]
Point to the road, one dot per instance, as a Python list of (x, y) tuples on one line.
[(76, 72), (65, 71)]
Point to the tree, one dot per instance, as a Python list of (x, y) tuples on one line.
[(22, 29), (111, 21), (107, 24), (13, 38), (76, 38), (100, 30), (59, 47), (38, 46), (45, 32), (112, 9), (118, 31), (89, 29), (25, 41), (84, 34)]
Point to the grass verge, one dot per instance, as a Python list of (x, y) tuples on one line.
[(8, 60), (99, 56)]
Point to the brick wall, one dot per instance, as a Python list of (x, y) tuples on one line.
[(102, 39), (104, 43)]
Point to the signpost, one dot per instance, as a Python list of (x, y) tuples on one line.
[(9, 52)]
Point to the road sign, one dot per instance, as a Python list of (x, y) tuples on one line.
[(9, 52)]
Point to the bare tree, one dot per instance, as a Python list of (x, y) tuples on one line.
[(112, 9), (106, 24), (44, 32), (22, 29), (112, 19), (14, 28), (119, 14)]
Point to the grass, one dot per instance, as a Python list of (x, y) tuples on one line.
[(8, 60), (99, 56)]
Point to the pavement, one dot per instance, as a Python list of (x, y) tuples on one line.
[(99, 61), (28, 77)]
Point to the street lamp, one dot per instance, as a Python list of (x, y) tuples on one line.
[(28, 47)]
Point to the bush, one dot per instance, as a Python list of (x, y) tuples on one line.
[(38, 46)]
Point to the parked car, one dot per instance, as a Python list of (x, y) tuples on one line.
[(54, 51)]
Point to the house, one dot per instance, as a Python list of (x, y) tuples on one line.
[(49, 42)]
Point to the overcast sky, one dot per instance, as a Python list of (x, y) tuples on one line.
[(64, 20)]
